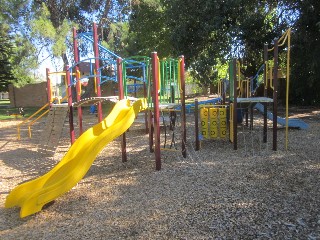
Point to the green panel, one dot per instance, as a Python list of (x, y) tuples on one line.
[(231, 84)]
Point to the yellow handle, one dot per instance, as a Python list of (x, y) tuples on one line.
[(95, 82)]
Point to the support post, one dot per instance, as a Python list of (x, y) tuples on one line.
[(287, 88), (235, 116), (121, 96), (71, 126), (275, 95), (49, 92), (196, 122), (223, 92), (150, 131), (78, 82), (96, 56), (247, 116), (145, 112), (183, 107), (265, 92), (155, 76), (145, 94), (251, 117)]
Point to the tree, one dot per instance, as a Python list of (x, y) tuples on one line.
[(305, 80), (149, 30), (5, 66), (58, 17), (23, 62), (50, 36), (208, 33)]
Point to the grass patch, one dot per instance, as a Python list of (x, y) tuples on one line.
[(4, 103), (9, 113), (13, 113)]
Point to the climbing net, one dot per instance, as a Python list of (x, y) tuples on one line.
[(254, 140), (171, 129)]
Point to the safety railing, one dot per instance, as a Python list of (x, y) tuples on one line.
[(29, 118), (30, 124)]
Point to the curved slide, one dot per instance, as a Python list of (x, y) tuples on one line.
[(33, 195)]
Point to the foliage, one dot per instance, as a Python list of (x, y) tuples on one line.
[(5, 66), (44, 31), (149, 30), (23, 59), (117, 39), (305, 74), (207, 33)]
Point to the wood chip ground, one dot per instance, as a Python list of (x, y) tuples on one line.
[(215, 193)]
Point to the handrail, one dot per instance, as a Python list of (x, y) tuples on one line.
[(18, 126), (64, 98), (30, 124), (62, 73)]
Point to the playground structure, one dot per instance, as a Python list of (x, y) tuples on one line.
[(131, 74), (163, 83), (52, 97), (162, 86), (243, 99)]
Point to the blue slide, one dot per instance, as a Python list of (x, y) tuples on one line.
[(292, 122)]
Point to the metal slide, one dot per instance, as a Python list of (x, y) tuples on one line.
[(33, 195), (292, 122)]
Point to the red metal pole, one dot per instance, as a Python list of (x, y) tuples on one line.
[(78, 83), (183, 107), (119, 78), (155, 75), (96, 55), (150, 130), (121, 96), (49, 92), (72, 134)]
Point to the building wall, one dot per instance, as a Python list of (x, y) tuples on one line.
[(31, 95), (4, 95)]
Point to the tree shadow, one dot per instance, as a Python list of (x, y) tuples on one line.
[(29, 161)]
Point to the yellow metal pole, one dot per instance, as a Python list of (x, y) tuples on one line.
[(287, 89), (95, 82), (30, 124), (78, 79), (266, 80), (18, 126)]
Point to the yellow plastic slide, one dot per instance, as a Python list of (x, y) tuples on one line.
[(33, 195)]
